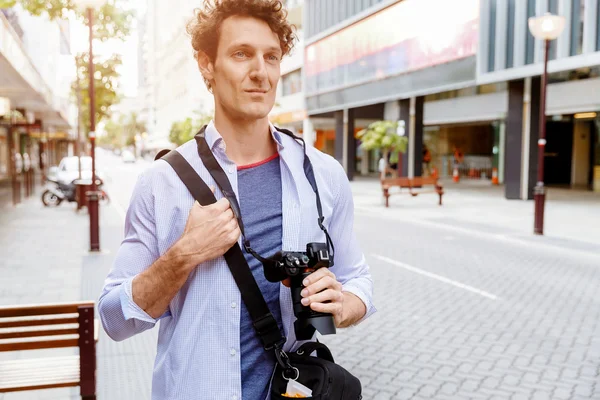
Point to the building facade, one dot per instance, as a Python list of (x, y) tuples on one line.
[(172, 85), (463, 79), (37, 119), (290, 109)]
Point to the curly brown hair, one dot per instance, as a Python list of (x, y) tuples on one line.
[(204, 28)]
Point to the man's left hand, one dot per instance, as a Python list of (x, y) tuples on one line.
[(324, 294)]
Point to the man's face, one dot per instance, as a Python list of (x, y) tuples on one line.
[(245, 71)]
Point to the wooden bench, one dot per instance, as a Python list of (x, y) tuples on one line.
[(49, 326), (414, 185)]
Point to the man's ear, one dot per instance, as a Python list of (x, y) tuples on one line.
[(206, 66)]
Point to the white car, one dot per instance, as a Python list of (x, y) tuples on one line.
[(68, 169), (127, 156)]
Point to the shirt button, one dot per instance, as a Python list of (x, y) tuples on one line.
[(233, 305), (231, 170), (234, 397), (232, 352)]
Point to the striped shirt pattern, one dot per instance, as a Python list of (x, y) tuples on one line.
[(198, 353)]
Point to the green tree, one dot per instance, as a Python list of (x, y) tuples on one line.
[(132, 127), (183, 131), (110, 21), (105, 80), (114, 135), (383, 136)]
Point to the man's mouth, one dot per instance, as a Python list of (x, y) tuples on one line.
[(261, 91)]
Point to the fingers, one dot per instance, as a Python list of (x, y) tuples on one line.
[(226, 216), (329, 295), (221, 205), (328, 308), (320, 281), (234, 236), (317, 275)]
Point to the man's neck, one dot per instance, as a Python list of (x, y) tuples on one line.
[(247, 142)]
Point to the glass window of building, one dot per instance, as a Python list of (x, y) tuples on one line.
[(530, 40), (598, 29), (510, 34), (577, 18), (291, 83), (492, 37), (553, 9)]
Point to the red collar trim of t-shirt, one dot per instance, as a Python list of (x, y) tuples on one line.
[(274, 156)]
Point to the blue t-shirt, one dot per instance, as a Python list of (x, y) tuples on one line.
[(259, 188)]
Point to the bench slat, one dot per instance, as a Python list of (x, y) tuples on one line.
[(15, 334), (41, 309), (18, 375), (11, 345), (36, 321)]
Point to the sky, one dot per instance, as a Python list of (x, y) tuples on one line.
[(128, 49)]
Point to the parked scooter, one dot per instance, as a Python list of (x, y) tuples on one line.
[(53, 196)]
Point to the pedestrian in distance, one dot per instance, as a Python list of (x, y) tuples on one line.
[(170, 265), (426, 160)]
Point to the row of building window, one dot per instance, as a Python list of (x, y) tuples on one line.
[(576, 32), (291, 83), (323, 14)]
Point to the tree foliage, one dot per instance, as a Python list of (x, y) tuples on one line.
[(114, 135), (105, 80), (122, 132), (133, 127), (383, 136), (110, 21), (183, 131)]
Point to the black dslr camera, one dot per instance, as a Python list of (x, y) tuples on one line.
[(297, 266)]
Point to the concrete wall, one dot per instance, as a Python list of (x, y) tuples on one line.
[(485, 107)]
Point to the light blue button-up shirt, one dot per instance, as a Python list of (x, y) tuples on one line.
[(199, 337)]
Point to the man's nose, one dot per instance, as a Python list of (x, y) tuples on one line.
[(259, 69)]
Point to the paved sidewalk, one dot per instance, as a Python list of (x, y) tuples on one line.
[(45, 258), (572, 217)]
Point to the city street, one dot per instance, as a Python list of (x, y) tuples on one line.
[(461, 314), (478, 120)]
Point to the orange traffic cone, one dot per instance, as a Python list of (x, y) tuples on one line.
[(455, 176), (495, 176)]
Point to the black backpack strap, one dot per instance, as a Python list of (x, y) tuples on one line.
[(264, 323)]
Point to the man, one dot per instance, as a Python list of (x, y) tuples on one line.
[(170, 265)]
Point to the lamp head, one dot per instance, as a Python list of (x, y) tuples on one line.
[(546, 27)]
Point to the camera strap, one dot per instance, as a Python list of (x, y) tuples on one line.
[(263, 321), (220, 177)]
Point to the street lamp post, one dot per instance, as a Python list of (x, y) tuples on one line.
[(89, 6), (547, 27)]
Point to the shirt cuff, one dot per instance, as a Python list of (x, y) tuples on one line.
[(130, 309), (358, 292)]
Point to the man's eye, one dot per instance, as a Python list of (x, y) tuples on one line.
[(273, 57), (239, 54)]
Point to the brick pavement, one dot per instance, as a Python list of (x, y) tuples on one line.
[(538, 339), (45, 259)]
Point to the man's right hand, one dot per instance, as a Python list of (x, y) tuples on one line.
[(209, 232)]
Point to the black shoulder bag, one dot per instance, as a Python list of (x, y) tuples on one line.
[(326, 379)]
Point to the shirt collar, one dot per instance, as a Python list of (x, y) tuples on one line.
[(215, 140)]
